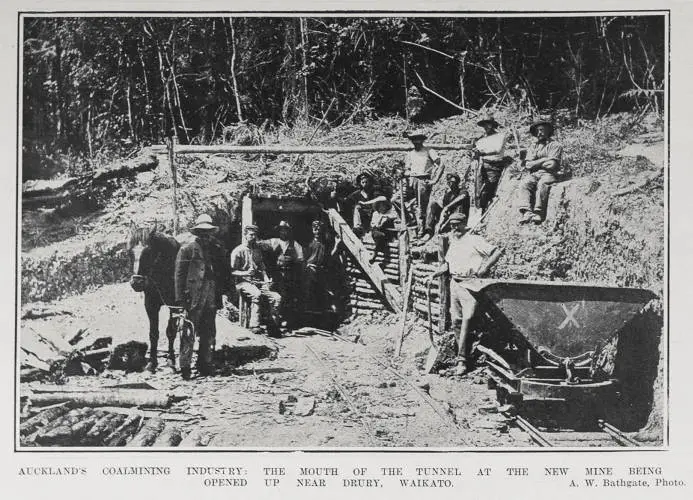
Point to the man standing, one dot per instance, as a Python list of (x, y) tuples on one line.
[(197, 291), (286, 259), (542, 163), (314, 274), (253, 282), (468, 256), (455, 199), (422, 169), (489, 150)]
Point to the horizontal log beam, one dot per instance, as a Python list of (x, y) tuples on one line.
[(303, 149)]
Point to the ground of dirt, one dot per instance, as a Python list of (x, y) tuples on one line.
[(359, 402), (591, 234)]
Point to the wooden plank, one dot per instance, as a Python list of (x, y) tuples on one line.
[(444, 287), (304, 149), (376, 275), (246, 211)]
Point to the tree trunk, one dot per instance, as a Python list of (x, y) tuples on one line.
[(233, 72)]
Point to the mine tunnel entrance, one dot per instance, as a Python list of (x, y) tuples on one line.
[(327, 304)]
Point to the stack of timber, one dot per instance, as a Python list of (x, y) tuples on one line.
[(64, 425), (419, 301), (360, 257), (363, 295)]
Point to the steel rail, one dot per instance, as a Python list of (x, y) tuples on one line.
[(616, 434), (445, 417)]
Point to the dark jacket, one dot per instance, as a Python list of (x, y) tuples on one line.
[(193, 266)]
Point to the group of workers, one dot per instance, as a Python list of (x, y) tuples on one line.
[(279, 277)]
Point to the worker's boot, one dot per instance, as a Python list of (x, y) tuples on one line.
[(185, 373)]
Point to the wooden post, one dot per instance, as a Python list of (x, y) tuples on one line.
[(406, 90), (246, 212), (171, 143), (403, 239), (444, 289)]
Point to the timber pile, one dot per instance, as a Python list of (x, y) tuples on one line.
[(52, 357), (363, 297), (419, 301), (63, 425)]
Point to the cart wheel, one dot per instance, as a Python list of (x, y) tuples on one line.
[(491, 383)]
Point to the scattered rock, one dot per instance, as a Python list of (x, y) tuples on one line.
[(305, 406), (488, 409)]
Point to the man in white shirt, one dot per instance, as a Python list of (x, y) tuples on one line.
[(468, 256), (252, 280), (422, 169), (490, 151)]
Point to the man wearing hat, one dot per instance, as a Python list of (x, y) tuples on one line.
[(542, 163), (422, 169), (314, 274), (198, 291), (285, 259), (468, 256), (252, 280), (362, 213), (489, 150), (455, 199), (383, 220)]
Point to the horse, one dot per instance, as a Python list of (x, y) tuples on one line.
[(154, 259)]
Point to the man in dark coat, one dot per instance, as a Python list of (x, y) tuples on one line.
[(199, 293), (285, 266)]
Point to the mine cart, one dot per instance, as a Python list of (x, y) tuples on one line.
[(555, 341)]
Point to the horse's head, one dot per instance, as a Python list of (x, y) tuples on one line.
[(138, 240)]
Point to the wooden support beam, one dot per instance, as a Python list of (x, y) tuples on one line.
[(361, 255), (304, 149)]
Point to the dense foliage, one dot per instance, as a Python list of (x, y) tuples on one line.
[(101, 84)]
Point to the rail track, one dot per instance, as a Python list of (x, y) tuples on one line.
[(606, 436)]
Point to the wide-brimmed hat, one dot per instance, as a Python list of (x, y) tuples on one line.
[(417, 134), (542, 120), (454, 175), (488, 118), (457, 217), (203, 224), (250, 227), (283, 225)]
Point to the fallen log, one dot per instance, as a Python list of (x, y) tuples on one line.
[(170, 437), (639, 185), (60, 431), (42, 419), (120, 436), (302, 149), (47, 191), (110, 397), (81, 428), (102, 428), (148, 434)]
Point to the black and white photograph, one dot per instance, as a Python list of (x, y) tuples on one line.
[(342, 231)]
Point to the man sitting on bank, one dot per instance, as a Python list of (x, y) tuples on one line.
[(253, 282), (455, 199), (542, 163), (468, 256)]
